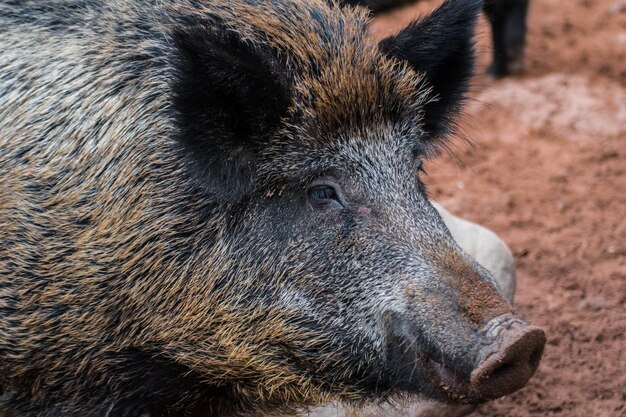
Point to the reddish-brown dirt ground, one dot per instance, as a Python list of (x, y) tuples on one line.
[(547, 173)]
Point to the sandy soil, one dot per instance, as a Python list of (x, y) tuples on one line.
[(547, 173)]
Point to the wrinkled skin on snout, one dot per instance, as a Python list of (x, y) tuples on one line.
[(214, 208)]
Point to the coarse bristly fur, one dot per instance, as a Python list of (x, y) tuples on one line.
[(159, 252)]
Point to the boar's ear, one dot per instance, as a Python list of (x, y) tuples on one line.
[(440, 46), (228, 97)]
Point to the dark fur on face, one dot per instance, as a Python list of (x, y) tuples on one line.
[(171, 242)]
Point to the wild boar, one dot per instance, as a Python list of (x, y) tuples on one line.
[(214, 208)]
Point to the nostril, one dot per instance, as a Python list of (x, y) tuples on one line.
[(535, 357), (518, 362), (504, 369)]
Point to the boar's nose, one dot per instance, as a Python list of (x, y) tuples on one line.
[(498, 359), (509, 360)]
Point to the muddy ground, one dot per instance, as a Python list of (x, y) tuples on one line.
[(547, 173)]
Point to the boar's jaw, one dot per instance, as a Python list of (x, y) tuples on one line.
[(508, 354)]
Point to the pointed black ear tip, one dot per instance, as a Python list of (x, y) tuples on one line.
[(454, 17), (467, 5), (452, 23), (476, 5), (462, 10)]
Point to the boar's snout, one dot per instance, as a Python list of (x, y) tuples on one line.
[(508, 362), (500, 359)]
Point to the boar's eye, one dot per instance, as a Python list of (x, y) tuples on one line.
[(324, 196)]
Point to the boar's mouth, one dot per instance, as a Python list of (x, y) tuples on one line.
[(452, 383), (419, 366)]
